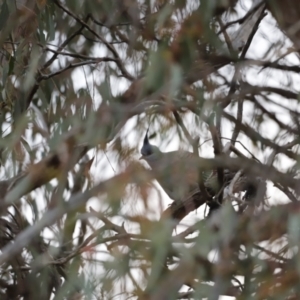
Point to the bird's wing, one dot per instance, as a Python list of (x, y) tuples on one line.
[(175, 171)]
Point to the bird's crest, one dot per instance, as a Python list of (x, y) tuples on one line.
[(147, 147), (146, 139)]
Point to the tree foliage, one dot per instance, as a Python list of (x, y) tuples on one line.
[(82, 82)]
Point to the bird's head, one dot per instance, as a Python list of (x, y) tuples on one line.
[(148, 149)]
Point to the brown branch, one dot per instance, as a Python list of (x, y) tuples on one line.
[(178, 210), (239, 119), (77, 55), (274, 65), (71, 66), (248, 88)]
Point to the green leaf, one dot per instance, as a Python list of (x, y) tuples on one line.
[(11, 65), (164, 14), (294, 229), (33, 65), (204, 241), (3, 14), (5, 70), (228, 221), (50, 24), (156, 71), (176, 80)]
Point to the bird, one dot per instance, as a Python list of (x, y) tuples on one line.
[(178, 172)]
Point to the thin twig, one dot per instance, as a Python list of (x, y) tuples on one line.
[(241, 20), (47, 64), (239, 119), (252, 34), (119, 63), (70, 66)]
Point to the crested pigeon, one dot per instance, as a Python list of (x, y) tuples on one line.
[(177, 172)]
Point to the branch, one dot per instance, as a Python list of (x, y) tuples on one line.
[(108, 45), (251, 168), (178, 210), (42, 172), (72, 66), (47, 64), (26, 236), (239, 119)]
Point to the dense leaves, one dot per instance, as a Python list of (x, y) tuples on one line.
[(81, 217)]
